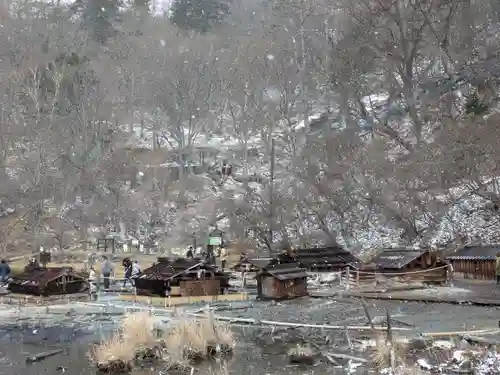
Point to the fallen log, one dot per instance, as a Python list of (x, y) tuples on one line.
[(479, 340), (328, 326), (252, 321), (491, 331), (44, 355), (346, 356)]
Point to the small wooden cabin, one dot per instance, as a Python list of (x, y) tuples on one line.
[(282, 281), (411, 264), (320, 259), (475, 262), (49, 281), (186, 277)]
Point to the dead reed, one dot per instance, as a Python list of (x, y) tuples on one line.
[(111, 350), (138, 328), (134, 333), (387, 352), (190, 338), (186, 339)]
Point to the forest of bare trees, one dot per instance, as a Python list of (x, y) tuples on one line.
[(383, 115)]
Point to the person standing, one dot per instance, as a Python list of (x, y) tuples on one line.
[(136, 271), (223, 257), (106, 271), (93, 283), (91, 260), (189, 253), (497, 268), (449, 273), (168, 288), (4, 271), (127, 264)]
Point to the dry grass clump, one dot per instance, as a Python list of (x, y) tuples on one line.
[(114, 349), (185, 340), (194, 338), (384, 350), (138, 329), (220, 370), (135, 333)]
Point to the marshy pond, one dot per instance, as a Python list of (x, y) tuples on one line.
[(75, 327)]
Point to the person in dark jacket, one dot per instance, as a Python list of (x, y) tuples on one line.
[(127, 264), (168, 288), (189, 253), (4, 271)]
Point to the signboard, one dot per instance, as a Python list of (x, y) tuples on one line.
[(215, 241)]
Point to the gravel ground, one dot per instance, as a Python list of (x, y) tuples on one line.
[(260, 350)]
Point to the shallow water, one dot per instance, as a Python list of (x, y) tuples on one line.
[(260, 350)]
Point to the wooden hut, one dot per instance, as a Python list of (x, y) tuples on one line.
[(320, 259), (411, 264), (474, 262), (282, 281), (49, 281), (185, 277)]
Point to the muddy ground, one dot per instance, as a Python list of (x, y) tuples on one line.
[(261, 350)]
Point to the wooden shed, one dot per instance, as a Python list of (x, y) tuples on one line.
[(49, 281), (282, 281), (185, 277), (320, 259), (475, 262), (411, 264)]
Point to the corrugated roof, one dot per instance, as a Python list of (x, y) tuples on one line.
[(475, 253), (396, 258)]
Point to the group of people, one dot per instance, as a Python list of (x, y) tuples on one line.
[(209, 256), (132, 271)]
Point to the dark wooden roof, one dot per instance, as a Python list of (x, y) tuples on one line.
[(331, 256), (166, 269), (258, 263), (45, 275), (285, 271), (397, 258), (475, 253)]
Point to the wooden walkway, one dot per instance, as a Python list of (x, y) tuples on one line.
[(480, 294)]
